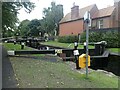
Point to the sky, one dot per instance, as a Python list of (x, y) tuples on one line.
[(37, 13)]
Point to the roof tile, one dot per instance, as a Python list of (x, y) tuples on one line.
[(81, 14), (104, 12), (100, 13)]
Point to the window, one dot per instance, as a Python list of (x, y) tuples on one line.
[(94, 24), (100, 23)]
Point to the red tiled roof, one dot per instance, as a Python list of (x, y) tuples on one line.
[(100, 13), (81, 14), (104, 12)]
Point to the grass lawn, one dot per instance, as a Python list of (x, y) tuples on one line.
[(65, 45), (116, 50), (71, 45), (42, 73), (11, 46), (39, 71)]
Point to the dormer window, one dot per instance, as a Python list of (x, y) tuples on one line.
[(100, 23)]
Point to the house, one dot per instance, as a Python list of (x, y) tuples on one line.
[(73, 22)]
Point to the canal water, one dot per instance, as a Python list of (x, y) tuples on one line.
[(110, 64)]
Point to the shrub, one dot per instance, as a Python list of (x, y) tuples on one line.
[(67, 39), (111, 37)]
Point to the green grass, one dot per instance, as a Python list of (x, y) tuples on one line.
[(65, 45), (38, 73), (116, 50), (11, 46)]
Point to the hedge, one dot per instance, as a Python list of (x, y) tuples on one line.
[(111, 37), (67, 39)]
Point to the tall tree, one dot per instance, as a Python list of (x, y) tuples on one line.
[(34, 27), (52, 17), (23, 27), (9, 14)]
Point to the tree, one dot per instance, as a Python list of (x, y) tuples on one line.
[(34, 27), (52, 17), (9, 14), (23, 27)]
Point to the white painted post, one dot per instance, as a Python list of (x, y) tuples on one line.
[(11, 52)]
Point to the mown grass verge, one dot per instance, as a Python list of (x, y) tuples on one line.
[(71, 45), (116, 50), (38, 73), (11, 46), (65, 45)]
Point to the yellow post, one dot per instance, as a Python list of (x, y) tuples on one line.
[(82, 60)]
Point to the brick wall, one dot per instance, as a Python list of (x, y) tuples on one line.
[(71, 28), (117, 12), (108, 22)]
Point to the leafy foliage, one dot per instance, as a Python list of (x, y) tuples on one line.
[(48, 24), (23, 27), (52, 17), (111, 37), (34, 27), (67, 39), (9, 14)]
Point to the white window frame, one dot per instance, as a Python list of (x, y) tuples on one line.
[(100, 25)]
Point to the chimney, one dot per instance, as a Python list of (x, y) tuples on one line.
[(117, 7), (74, 11)]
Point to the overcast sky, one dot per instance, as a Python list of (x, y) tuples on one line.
[(67, 4)]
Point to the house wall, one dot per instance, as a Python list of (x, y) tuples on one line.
[(114, 22), (117, 12), (76, 27), (108, 22), (93, 10), (71, 28)]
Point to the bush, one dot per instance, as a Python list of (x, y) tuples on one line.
[(93, 37), (111, 37), (67, 39)]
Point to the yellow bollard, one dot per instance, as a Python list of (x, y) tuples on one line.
[(82, 60)]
